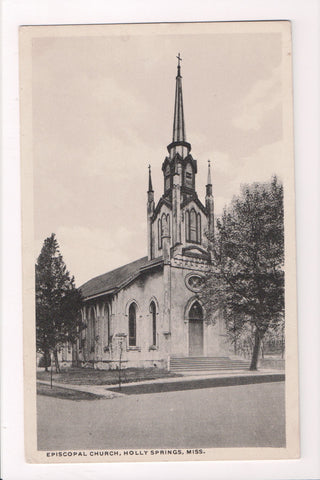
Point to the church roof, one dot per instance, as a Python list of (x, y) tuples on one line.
[(112, 281)]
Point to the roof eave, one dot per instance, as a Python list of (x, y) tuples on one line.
[(126, 282)]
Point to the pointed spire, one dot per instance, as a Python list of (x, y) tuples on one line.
[(178, 121), (209, 183), (179, 143), (209, 174), (150, 189)]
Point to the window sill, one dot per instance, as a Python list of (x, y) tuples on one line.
[(133, 349)]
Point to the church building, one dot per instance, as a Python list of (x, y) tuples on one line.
[(148, 312)]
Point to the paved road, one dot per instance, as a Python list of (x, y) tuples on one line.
[(234, 416)]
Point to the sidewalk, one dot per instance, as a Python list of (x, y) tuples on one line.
[(189, 380)]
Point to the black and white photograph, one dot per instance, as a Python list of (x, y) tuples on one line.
[(158, 227)]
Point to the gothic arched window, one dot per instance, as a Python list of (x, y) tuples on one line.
[(193, 226), (106, 333), (153, 312), (132, 325), (187, 222), (189, 176), (199, 228), (91, 330), (168, 224), (164, 224), (159, 235), (167, 178)]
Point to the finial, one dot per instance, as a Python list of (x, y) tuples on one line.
[(150, 189), (179, 67)]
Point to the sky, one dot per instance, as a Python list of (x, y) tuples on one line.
[(102, 111)]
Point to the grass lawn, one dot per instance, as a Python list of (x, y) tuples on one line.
[(65, 393), (89, 376)]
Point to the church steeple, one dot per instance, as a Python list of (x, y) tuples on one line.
[(179, 142), (179, 161)]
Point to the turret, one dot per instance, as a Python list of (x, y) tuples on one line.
[(165, 236), (210, 204), (150, 210)]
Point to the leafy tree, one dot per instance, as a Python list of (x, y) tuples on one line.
[(58, 302), (246, 282)]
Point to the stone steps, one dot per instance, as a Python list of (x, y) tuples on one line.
[(193, 364)]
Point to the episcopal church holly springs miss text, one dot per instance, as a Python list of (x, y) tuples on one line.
[(149, 310)]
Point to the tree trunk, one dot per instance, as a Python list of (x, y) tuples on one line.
[(256, 348), (47, 360), (56, 360)]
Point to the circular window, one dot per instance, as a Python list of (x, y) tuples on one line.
[(194, 282)]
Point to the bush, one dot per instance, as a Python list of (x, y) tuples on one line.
[(43, 362)]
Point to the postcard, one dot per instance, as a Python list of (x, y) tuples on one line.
[(158, 228)]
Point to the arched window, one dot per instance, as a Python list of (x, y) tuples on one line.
[(187, 222), (168, 224), (167, 178), (153, 312), (189, 176), (91, 330), (199, 228), (193, 226), (159, 235), (196, 312), (106, 330), (132, 325), (164, 224)]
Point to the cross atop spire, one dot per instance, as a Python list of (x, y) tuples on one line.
[(179, 67)]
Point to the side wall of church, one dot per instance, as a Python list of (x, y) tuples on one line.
[(142, 292), (107, 337)]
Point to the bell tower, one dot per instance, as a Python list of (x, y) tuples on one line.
[(178, 224)]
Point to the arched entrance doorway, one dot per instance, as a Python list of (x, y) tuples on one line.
[(195, 330)]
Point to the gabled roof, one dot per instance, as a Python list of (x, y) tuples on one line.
[(163, 201), (111, 281), (196, 200)]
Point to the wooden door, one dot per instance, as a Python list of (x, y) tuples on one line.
[(195, 338)]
